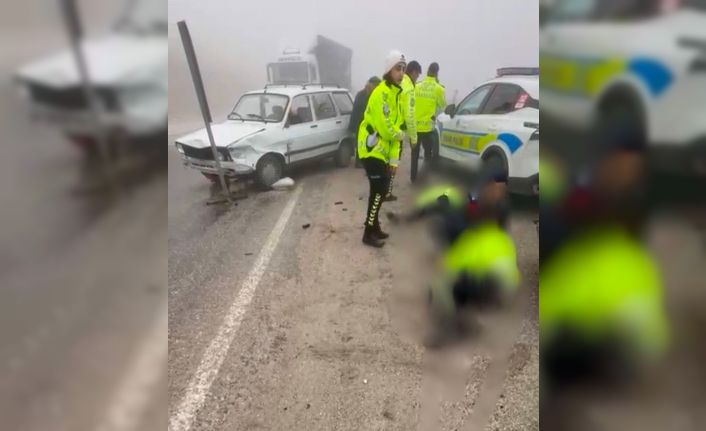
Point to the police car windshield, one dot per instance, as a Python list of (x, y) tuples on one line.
[(608, 10), (267, 108)]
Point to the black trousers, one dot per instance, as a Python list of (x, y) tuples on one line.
[(430, 142), (378, 177)]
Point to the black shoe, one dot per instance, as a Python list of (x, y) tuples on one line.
[(379, 234), (390, 198), (370, 239)]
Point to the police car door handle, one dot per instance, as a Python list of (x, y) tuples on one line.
[(339, 122), (493, 127), (313, 126)]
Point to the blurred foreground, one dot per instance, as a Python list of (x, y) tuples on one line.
[(622, 233), (83, 260)]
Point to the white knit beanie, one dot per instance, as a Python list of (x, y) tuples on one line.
[(393, 59)]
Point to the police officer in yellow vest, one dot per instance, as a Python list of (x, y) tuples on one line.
[(430, 99), (414, 69), (379, 140)]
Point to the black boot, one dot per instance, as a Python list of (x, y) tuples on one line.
[(379, 233), (370, 238)]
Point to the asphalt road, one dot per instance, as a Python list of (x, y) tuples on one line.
[(277, 326)]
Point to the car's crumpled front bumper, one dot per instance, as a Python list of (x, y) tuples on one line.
[(82, 121), (231, 169)]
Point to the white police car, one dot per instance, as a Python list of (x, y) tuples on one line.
[(272, 129), (636, 65), (497, 126)]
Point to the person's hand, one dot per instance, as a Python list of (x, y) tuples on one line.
[(399, 136), (392, 169), (413, 143)]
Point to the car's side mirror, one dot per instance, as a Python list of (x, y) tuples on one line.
[(450, 110)]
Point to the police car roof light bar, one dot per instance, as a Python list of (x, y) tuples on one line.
[(530, 71)]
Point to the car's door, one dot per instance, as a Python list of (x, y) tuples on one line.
[(328, 124), (344, 105), (461, 132), (300, 129), (504, 118)]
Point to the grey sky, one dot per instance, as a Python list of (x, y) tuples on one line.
[(236, 39)]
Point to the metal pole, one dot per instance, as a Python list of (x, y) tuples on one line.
[(201, 95), (73, 24)]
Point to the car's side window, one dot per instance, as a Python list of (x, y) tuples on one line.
[(502, 100), (274, 108), (473, 102), (323, 106), (300, 111), (344, 103)]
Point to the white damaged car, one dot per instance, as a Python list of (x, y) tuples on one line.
[(128, 69), (273, 129)]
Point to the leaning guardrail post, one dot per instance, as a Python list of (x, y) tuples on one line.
[(73, 24), (203, 102)]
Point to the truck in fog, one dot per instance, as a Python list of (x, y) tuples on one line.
[(327, 62)]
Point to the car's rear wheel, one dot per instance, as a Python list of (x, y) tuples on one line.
[(344, 154), (269, 170)]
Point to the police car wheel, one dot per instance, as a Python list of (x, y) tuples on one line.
[(269, 170), (495, 164), (620, 123)]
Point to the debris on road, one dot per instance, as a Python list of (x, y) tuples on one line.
[(339, 203), (248, 254), (345, 209), (283, 184), (306, 226)]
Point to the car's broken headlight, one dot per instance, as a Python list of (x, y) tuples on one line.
[(239, 153)]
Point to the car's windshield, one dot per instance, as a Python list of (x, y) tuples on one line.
[(269, 108), (144, 17)]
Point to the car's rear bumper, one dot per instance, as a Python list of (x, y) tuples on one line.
[(524, 185), (689, 159)]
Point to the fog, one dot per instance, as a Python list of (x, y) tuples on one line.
[(234, 41)]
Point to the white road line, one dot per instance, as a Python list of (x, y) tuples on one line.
[(136, 390), (183, 416)]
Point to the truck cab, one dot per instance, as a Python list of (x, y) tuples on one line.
[(326, 62), (293, 68)]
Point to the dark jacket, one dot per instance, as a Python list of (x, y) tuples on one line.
[(359, 105)]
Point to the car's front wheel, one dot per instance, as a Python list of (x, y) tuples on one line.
[(494, 164), (344, 154), (269, 170)]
